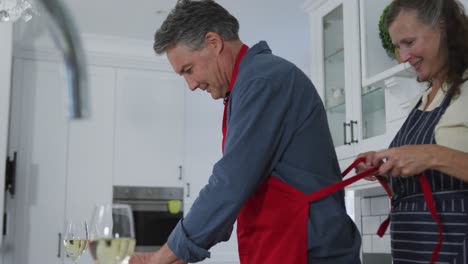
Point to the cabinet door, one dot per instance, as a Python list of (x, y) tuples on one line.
[(149, 121), (90, 151), (40, 130), (336, 54), (334, 93), (375, 62), (6, 32)]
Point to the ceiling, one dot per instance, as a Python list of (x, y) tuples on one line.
[(283, 24)]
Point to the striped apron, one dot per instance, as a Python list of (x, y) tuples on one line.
[(413, 230)]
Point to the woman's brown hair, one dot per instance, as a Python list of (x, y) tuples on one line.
[(452, 13)]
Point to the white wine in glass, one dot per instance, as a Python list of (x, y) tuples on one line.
[(112, 236), (75, 239)]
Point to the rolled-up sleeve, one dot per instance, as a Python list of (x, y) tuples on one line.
[(184, 247)]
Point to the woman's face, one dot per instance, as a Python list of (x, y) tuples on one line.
[(420, 45)]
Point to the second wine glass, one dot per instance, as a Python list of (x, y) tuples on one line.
[(112, 236), (75, 239)]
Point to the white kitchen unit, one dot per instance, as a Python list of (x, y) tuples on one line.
[(149, 127), (366, 94), (66, 167), (335, 66), (6, 33), (41, 131), (60, 172)]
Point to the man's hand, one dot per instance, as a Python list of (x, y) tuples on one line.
[(141, 258), (162, 256)]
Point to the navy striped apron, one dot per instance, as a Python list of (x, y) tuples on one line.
[(413, 230)]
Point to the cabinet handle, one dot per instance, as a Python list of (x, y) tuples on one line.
[(352, 123), (344, 131), (188, 189), (59, 249), (180, 172)]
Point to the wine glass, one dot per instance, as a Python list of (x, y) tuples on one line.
[(75, 239), (112, 235)]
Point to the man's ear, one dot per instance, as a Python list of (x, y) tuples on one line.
[(214, 41)]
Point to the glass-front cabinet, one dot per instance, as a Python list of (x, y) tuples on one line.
[(335, 66), (366, 93), (334, 73)]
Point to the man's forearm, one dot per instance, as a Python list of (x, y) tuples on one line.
[(165, 256)]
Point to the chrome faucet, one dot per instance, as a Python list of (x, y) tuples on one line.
[(68, 40)]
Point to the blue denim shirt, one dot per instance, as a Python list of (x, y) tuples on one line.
[(277, 126)]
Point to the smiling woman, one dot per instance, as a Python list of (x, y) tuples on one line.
[(432, 35)]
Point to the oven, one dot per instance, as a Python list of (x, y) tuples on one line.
[(156, 211)]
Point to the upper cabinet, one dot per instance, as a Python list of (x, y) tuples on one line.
[(366, 94), (335, 66), (149, 125)]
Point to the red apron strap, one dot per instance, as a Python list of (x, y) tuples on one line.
[(430, 205), (324, 192), (384, 225), (432, 209), (241, 54)]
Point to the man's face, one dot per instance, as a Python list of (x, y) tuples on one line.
[(201, 68)]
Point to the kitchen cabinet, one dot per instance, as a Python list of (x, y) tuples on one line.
[(41, 143), (149, 125), (134, 136), (64, 167), (366, 94), (6, 33), (334, 27)]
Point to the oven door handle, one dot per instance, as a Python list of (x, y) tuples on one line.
[(146, 206)]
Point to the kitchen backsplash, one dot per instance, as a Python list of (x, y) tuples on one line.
[(374, 210)]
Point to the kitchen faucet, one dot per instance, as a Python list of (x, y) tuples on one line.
[(68, 40)]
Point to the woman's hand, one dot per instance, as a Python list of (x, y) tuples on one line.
[(408, 160), (368, 164)]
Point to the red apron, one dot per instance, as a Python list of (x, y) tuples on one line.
[(272, 225)]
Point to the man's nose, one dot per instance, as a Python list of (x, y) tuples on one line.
[(193, 85)]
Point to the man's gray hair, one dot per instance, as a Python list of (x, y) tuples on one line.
[(190, 21)]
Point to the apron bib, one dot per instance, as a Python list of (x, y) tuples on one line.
[(427, 228)]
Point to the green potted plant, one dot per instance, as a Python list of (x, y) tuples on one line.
[(385, 38)]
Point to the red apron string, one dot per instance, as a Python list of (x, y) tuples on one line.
[(324, 192), (432, 208), (383, 227)]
